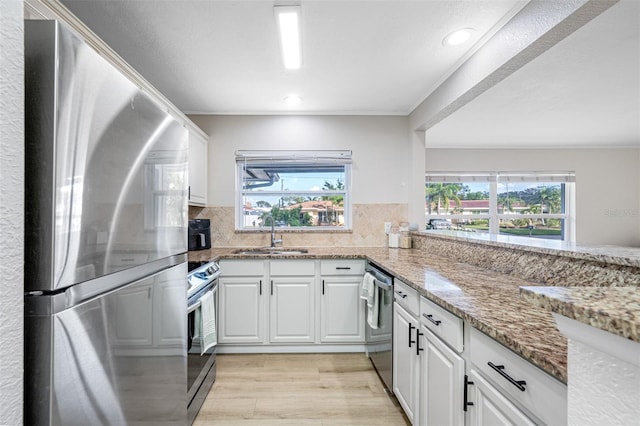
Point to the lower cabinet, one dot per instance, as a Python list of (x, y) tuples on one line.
[(241, 310), (490, 407), (441, 382), (406, 362), (292, 303), (341, 310), (276, 302)]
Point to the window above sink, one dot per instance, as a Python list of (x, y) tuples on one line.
[(302, 190)]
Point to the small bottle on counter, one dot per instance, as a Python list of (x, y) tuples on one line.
[(394, 237)]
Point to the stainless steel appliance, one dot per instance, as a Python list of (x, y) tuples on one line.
[(380, 340), (201, 362), (105, 242)]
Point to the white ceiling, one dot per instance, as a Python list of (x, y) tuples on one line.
[(382, 57), (223, 57), (583, 92)]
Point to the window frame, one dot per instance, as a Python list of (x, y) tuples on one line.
[(301, 158), (493, 178)]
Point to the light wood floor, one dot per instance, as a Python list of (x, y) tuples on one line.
[(298, 389)]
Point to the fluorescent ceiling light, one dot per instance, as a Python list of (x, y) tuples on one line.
[(288, 18), (458, 37), (292, 100)]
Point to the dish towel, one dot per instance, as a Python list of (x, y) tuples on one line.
[(369, 292), (208, 335), (368, 285)]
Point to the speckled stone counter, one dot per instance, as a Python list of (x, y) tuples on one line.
[(616, 310), (547, 262), (488, 300), (596, 285)]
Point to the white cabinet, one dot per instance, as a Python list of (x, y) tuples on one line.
[(535, 392), (241, 316), (442, 368), (490, 407), (341, 309), (197, 169), (292, 301), (406, 362), (441, 384)]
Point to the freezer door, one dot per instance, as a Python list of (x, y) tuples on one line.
[(113, 360), (106, 181)]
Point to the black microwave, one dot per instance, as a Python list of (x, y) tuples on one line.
[(199, 234)]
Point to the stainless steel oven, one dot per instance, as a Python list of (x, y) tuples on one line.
[(201, 361), (380, 339)]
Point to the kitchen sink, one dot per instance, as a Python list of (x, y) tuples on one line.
[(270, 251)]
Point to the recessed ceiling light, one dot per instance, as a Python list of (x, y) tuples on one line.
[(292, 100), (458, 37), (288, 18)]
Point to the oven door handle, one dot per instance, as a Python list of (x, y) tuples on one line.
[(193, 307)]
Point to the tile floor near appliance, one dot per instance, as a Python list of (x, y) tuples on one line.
[(300, 389)]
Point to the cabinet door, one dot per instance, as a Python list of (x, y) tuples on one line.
[(442, 386), (406, 362), (342, 310), (241, 316), (197, 170), (490, 407), (292, 313)]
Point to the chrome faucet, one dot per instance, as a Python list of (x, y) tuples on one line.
[(274, 241)]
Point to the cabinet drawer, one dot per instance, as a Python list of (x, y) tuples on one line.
[(442, 323), (241, 268), (342, 267), (293, 267), (541, 394), (406, 296)]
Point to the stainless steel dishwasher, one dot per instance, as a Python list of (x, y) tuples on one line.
[(380, 340)]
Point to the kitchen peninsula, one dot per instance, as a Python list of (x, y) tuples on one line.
[(492, 284)]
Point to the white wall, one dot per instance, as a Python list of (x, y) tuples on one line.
[(380, 148), (11, 210), (607, 183)]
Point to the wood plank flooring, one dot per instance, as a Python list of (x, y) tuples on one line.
[(298, 389)]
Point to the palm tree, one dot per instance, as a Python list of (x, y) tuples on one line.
[(441, 194), (550, 197)]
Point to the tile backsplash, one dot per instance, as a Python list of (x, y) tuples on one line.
[(368, 228)]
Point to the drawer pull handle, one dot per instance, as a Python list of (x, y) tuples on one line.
[(411, 327), (520, 384), (430, 318), (401, 294), (344, 267), (418, 348)]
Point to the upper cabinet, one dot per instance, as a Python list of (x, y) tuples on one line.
[(197, 170)]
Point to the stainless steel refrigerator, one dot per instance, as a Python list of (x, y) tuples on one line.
[(106, 242)]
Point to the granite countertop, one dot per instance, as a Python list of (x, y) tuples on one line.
[(488, 300), (616, 255), (613, 309)]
